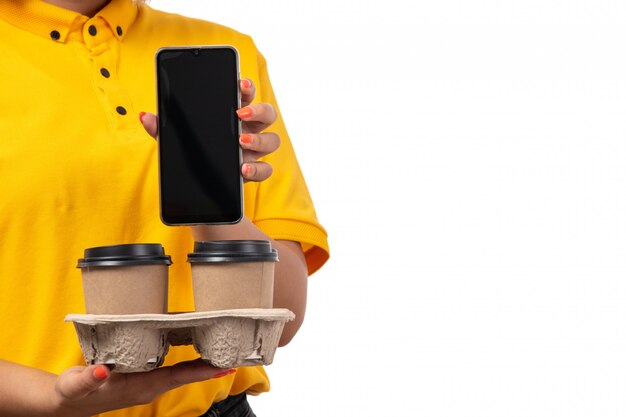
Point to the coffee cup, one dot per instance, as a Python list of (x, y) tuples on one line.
[(125, 279), (233, 274)]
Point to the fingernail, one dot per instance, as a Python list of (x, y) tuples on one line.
[(221, 374), (245, 138), (141, 115), (247, 168), (244, 112), (246, 83), (101, 372)]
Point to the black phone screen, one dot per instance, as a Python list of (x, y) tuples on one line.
[(199, 154)]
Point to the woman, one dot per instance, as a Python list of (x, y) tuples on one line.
[(79, 170)]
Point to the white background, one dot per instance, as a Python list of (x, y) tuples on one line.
[(468, 159)]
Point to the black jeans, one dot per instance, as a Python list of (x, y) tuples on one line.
[(233, 406)]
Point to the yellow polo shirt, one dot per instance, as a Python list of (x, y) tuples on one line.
[(77, 170)]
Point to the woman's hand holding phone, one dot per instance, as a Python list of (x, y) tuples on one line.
[(253, 141)]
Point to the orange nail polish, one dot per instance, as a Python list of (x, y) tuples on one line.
[(244, 112), (101, 372), (247, 169), (246, 138), (246, 83), (221, 374), (141, 115)]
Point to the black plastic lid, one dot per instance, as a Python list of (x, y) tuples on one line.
[(233, 251), (125, 255)]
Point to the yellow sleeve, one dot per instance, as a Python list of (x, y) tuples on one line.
[(283, 207)]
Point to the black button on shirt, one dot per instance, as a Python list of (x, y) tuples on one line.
[(92, 30), (119, 31), (55, 35), (105, 72), (121, 110)]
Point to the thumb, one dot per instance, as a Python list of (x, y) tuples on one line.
[(78, 382), (149, 122)]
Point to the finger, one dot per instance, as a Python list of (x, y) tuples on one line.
[(260, 144), (257, 117), (256, 171), (149, 122), (195, 371), (77, 383), (248, 91), (170, 377)]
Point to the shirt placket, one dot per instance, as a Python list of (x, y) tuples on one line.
[(103, 49)]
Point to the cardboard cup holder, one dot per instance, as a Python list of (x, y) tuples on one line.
[(139, 342), (129, 329)]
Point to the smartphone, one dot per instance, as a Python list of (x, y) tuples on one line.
[(198, 138)]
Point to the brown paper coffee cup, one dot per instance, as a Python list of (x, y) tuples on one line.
[(125, 279), (233, 274)]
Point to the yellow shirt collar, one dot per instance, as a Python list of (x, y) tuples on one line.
[(55, 23)]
